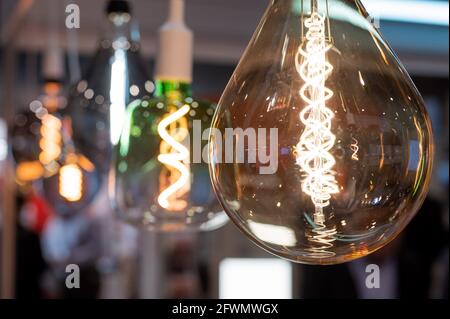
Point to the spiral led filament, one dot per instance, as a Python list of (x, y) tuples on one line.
[(175, 178), (355, 149), (71, 182), (317, 140), (50, 142), (313, 150), (321, 238)]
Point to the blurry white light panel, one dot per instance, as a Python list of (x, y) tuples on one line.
[(413, 11), (255, 278), (3, 142)]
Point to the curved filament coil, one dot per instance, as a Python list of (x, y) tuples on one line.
[(313, 149), (355, 149), (322, 240), (173, 156)]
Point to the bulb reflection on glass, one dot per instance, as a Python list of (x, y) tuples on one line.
[(353, 145)]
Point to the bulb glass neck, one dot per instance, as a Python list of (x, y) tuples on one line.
[(173, 89)]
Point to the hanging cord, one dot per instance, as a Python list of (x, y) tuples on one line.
[(53, 56), (31, 78)]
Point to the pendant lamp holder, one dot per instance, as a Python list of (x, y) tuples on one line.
[(175, 52)]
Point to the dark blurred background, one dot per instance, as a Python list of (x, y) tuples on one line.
[(222, 263)]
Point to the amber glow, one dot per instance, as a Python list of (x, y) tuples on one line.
[(71, 182), (50, 142), (29, 171), (85, 163), (51, 100)]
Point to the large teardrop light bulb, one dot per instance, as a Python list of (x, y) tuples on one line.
[(321, 148)]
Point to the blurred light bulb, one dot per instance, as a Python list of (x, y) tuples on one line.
[(159, 178), (116, 76), (156, 180), (353, 146), (74, 181), (29, 171)]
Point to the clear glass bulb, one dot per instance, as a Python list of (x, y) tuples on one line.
[(351, 141), (115, 77), (45, 154), (155, 180), (71, 180)]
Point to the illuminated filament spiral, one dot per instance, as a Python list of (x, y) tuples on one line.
[(174, 155), (313, 149), (71, 182), (323, 239), (50, 142)]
